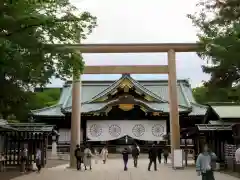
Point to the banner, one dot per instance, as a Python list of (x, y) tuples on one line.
[(146, 130), (65, 135)]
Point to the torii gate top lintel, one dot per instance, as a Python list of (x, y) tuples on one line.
[(133, 47)]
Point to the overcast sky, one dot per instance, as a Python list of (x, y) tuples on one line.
[(142, 21)]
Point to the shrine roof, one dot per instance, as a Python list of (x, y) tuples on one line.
[(91, 91), (214, 127), (5, 126), (226, 110)]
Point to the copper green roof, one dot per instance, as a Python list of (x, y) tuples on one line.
[(4, 125), (157, 89), (54, 111), (98, 107), (226, 110)]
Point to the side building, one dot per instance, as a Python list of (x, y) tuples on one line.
[(120, 112)]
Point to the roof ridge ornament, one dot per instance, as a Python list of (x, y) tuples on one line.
[(126, 74)]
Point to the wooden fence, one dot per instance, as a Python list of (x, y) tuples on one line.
[(30, 136)]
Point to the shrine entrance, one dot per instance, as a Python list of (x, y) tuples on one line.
[(169, 69)]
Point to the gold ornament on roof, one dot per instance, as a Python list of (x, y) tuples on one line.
[(126, 82), (126, 107), (156, 113)]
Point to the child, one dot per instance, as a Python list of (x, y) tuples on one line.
[(96, 155)]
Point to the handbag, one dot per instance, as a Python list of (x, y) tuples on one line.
[(34, 166)]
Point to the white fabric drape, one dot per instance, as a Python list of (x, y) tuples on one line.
[(146, 130), (104, 130), (65, 135)]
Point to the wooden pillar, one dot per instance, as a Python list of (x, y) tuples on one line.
[(76, 117), (173, 102)]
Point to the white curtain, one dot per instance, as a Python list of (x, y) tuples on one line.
[(104, 130), (65, 135), (146, 130)]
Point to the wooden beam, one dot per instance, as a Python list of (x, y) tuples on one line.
[(143, 69), (131, 48)]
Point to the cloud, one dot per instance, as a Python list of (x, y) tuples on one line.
[(142, 21)]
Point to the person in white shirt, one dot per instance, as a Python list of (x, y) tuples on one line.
[(104, 154), (237, 155)]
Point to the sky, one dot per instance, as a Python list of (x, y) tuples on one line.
[(142, 21)]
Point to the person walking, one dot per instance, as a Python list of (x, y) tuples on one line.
[(206, 164), (159, 154), (38, 160), (165, 155), (135, 154), (104, 154), (125, 153), (96, 153), (152, 154), (24, 160), (87, 160), (78, 156)]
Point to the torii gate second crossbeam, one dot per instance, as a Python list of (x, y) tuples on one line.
[(169, 69)]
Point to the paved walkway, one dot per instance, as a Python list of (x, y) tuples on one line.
[(113, 170)]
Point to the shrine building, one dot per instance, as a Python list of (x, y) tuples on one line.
[(123, 111)]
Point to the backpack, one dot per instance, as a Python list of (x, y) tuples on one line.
[(213, 163), (88, 155), (24, 153), (165, 153), (78, 153)]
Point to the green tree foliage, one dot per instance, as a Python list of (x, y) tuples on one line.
[(218, 22), (28, 56), (47, 97), (204, 96)]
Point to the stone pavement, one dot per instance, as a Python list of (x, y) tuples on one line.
[(113, 170)]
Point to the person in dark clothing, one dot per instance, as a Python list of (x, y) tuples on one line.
[(78, 155), (125, 158), (152, 157), (165, 155), (159, 154), (135, 154), (38, 159)]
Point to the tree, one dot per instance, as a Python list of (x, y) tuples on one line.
[(28, 56), (47, 97), (204, 96), (218, 23)]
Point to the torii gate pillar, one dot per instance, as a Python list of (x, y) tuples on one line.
[(173, 104)]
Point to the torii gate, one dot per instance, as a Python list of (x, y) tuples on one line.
[(169, 69)]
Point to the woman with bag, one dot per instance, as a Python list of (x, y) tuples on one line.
[(104, 154), (87, 159)]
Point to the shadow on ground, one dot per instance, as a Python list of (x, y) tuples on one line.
[(11, 173)]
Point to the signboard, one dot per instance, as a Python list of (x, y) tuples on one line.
[(178, 156)]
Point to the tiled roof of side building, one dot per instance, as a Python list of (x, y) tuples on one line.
[(226, 110)]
